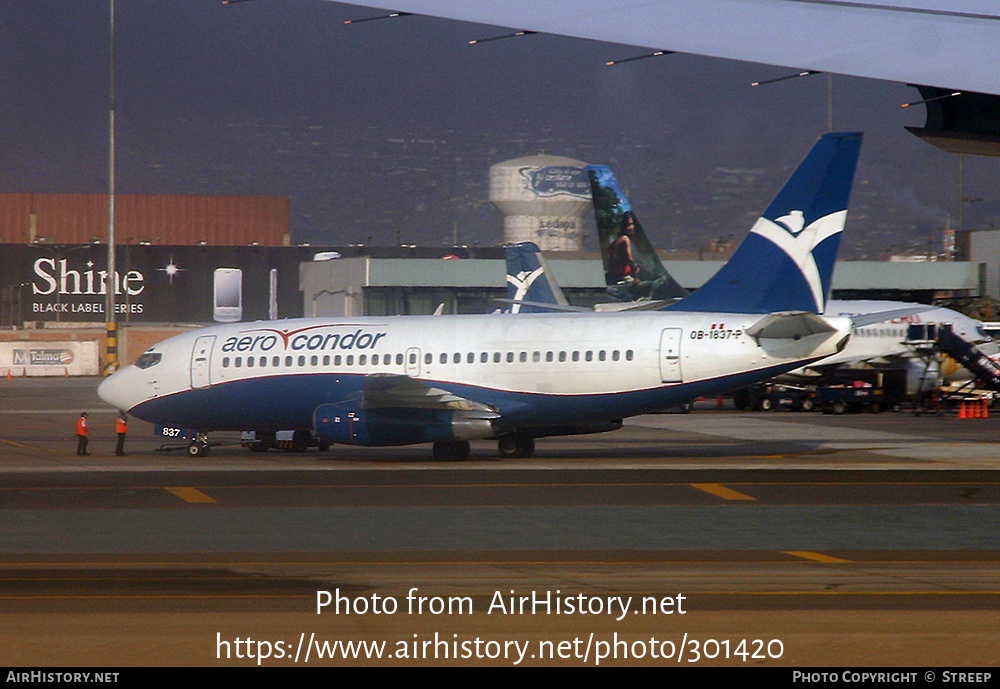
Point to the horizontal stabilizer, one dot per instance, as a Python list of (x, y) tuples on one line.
[(633, 305), (539, 307), (792, 325)]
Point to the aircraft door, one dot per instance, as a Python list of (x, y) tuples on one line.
[(201, 360), (670, 355), (413, 361)]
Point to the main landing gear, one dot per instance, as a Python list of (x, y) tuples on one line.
[(510, 446), (516, 446)]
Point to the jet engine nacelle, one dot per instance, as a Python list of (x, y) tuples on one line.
[(380, 427)]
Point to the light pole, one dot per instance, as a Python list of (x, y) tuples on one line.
[(110, 285)]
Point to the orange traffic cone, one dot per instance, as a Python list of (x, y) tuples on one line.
[(9, 377), (986, 409), (962, 412)]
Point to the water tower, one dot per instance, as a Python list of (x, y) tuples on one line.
[(542, 198)]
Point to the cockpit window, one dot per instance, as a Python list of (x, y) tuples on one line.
[(148, 359)]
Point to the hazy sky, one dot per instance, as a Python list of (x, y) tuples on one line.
[(198, 82)]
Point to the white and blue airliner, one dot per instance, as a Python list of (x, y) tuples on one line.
[(446, 380)]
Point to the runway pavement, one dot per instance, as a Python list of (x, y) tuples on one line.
[(792, 539)]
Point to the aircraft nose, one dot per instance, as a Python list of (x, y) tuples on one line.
[(113, 390)]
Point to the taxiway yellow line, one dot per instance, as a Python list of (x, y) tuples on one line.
[(720, 491), (814, 557), (190, 495)]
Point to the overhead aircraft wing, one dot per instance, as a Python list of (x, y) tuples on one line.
[(950, 44)]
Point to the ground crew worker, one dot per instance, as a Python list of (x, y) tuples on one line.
[(82, 431), (121, 427)]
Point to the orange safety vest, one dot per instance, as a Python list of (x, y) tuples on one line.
[(81, 426), (121, 426)]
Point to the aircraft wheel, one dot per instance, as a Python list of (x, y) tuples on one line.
[(300, 441), (516, 446), (451, 451), (198, 449), (264, 442)]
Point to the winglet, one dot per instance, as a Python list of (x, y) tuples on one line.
[(786, 262)]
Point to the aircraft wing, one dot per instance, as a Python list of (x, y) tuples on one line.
[(546, 306), (862, 319), (390, 391), (950, 44)]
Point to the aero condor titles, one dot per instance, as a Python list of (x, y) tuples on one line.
[(306, 339), (447, 380)]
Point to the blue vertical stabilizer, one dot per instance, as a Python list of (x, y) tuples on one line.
[(786, 262), (528, 279)]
